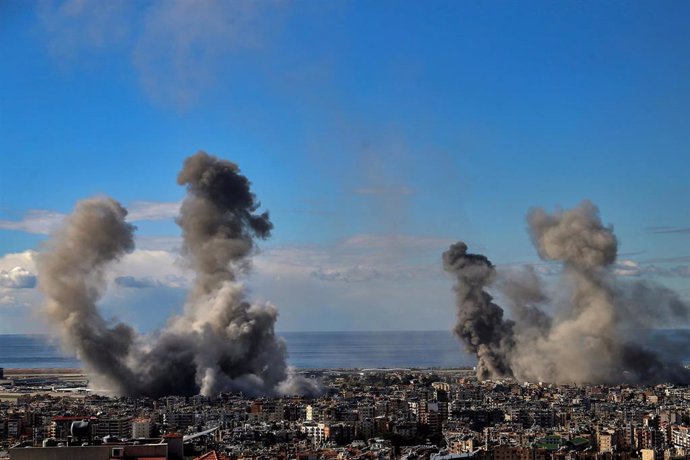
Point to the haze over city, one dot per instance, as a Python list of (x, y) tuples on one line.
[(376, 135)]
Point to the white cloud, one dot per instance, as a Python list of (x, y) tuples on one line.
[(177, 47), (21, 299), (151, 267), (355, 286), (404, 242), (171, 281), (43, 222), (547, 269), (17, 278), (363, 273), (17, 300), (25, 260), (159, 270), (366, 283), (359, 258), (627, 268), (145, 268), (622, 268), (153, 210), (669, 229), (632, 268), (6, 299), (182, 42), (159, 243), (37, 221), (76, 26)]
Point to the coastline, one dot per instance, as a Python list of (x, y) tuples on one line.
[(42, 371)]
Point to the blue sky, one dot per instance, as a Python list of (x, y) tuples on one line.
[(375, 133)]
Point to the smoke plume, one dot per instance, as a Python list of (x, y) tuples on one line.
[(71, 273), (221, 342), (480, 322), (580, 335)]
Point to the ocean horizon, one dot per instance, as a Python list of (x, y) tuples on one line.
[(338, 349), (306, 350)]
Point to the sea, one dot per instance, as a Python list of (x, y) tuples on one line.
[(344, 350), (306, 350)]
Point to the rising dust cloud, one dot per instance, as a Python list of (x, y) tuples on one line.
[(585, 336), (221, 342)]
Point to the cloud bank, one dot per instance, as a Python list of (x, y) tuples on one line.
[(175, 47), (17, 278), (44, 222)]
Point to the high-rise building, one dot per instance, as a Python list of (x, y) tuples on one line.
[(141, 428), (119, 427)]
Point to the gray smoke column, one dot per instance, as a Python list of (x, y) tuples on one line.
[(218, 220), (585, 338), (221, 342), (576, 237), (480, 321), (71, 275)]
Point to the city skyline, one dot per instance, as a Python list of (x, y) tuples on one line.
[(375, 135)]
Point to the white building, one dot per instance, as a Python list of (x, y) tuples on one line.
[(680, 436), (141, 428), (315, 431)]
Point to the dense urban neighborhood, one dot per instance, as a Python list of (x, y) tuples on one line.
[(366, 413)]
